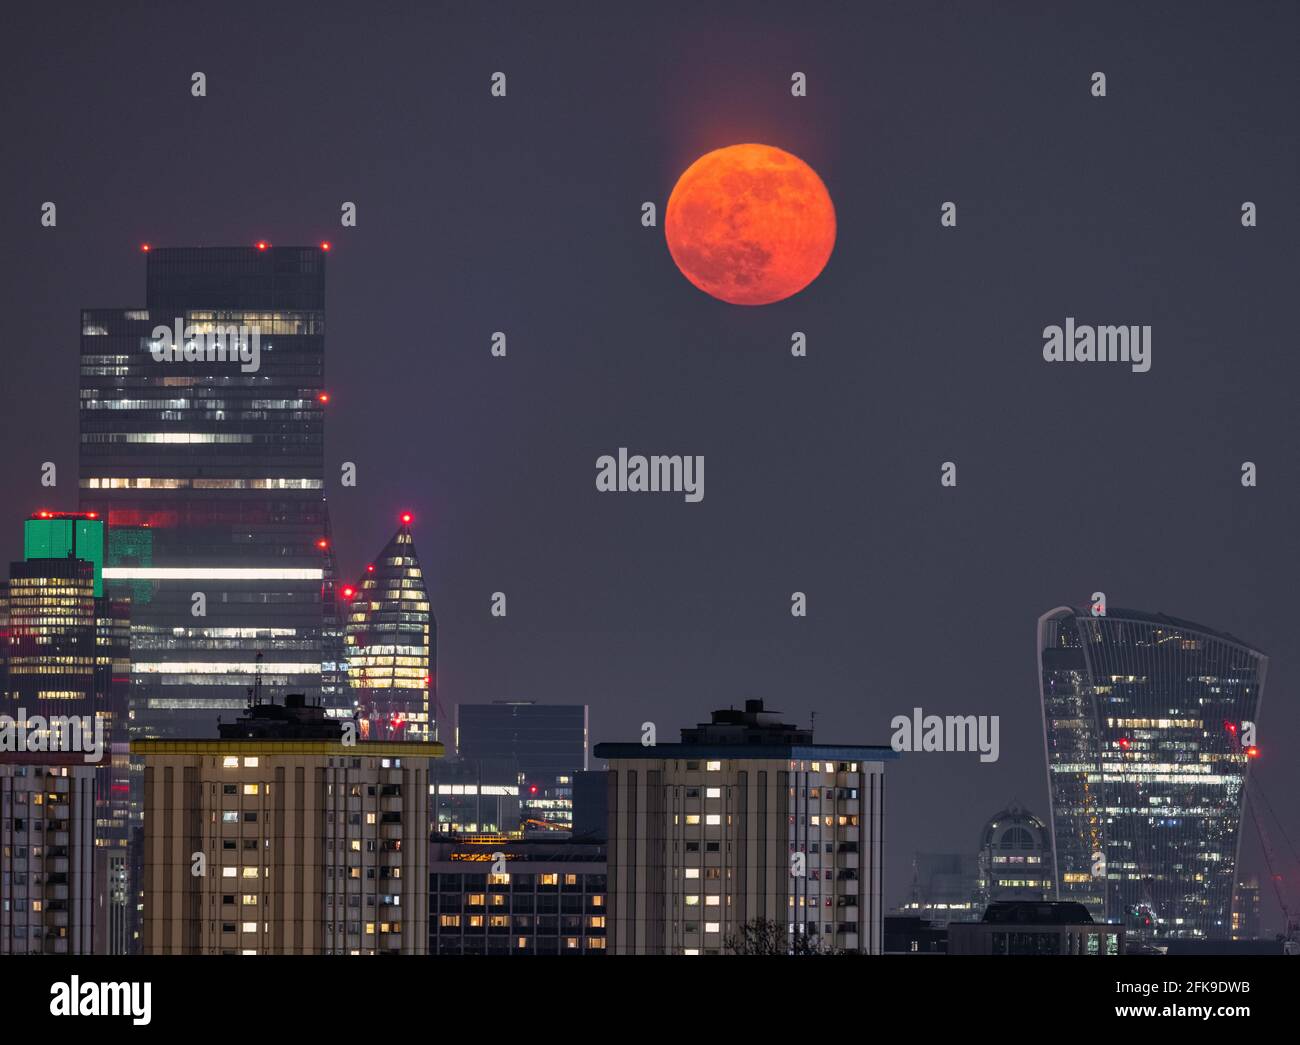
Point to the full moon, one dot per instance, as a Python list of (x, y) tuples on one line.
[(750, 224)]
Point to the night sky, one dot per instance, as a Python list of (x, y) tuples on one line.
[(522, 214)]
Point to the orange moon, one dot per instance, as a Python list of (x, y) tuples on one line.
[(750, 224)]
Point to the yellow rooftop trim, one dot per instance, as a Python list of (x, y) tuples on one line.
[(376, 748)]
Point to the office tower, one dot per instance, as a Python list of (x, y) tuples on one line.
[(547, 744), (1144, 720), (309, 845), (1245, 909), (202, 417), (392, 644), (745, 823), (66, 654), (1015, 859), (1024, 928), (506, 896), (944, 888), (337, 697), (474, 798), (47, 859), (591, 805)]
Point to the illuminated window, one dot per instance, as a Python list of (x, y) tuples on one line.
[(229, 872), (713, 792), (570, 879), (550, 879), (250, 872), (693, 900), (596, 921), (597, 901), (250, 899), (230, 762), (252, 789), (250, 927), (713, 819), (250, 762), (692, 872), (714, 901), (451, 921), (692, 818), (713, 767), (712, 927)]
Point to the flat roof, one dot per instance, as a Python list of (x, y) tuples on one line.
[(288, 746), (857, 753)]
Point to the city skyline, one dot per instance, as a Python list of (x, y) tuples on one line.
[(521, 215)]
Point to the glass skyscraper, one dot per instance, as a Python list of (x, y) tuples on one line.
[(1147, 721), (202, 446), (392, 650)]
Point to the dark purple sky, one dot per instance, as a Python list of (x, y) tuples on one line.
[(522, 215)]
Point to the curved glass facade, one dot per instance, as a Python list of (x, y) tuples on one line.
[(1144, 717), (391, 645)]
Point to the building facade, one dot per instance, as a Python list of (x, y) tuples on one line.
[(392, 644), (746, 821), (1147, 723), (202, 447), (47, 854), (1015, 859), (547, 745), (1035, 930), (505, 896), (302, 844)]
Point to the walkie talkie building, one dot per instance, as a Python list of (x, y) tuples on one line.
[(1148, 723)]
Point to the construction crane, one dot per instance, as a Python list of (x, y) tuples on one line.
[(1281, 886)]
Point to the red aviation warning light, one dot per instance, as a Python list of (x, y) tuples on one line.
[(323, 397), (1125, 743), (262, 244), (322, 544), (370, 567), (325, 246), (144, 247), (348, 591), (1252, 751)]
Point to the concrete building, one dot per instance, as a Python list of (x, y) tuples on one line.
[(279, 838), (47, 854), (746, 822)]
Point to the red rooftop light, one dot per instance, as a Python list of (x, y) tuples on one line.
[(322, 544), (1124, 743), (262, 244), (407, 518), (144, 247), (1252, 751), (325, 246), (370, 568), (324, 397), (348, 591)]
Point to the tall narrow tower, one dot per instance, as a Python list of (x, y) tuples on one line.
[(392, 644), (202, 446)]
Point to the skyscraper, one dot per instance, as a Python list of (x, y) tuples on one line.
[(745, 823), (66, 652), (202, 417), (392, 644), (1144, 718)]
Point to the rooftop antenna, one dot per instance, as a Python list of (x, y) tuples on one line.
[(255, 693)]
